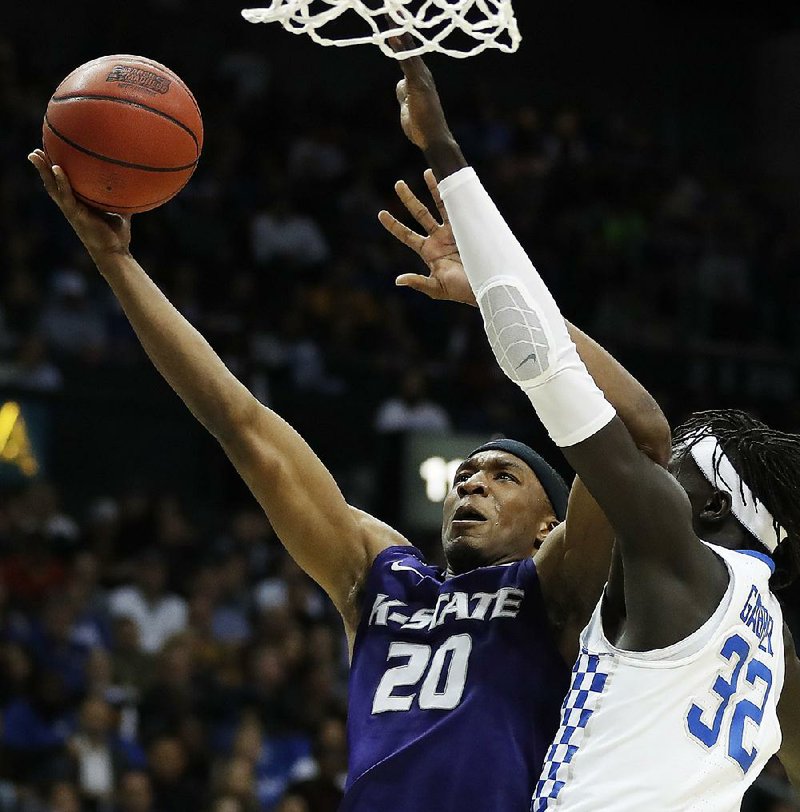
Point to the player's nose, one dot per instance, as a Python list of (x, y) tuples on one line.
[(475, 485)]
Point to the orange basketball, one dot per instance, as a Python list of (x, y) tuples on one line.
[(126, 130)]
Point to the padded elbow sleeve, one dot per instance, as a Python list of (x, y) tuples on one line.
[(525, 328)]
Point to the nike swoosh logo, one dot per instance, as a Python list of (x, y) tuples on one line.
[(397, 567), (531, 357)]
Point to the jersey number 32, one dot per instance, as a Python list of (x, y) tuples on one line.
[(736, 650)]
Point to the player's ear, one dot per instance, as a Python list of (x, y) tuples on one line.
[(717, 507), (545, 528)]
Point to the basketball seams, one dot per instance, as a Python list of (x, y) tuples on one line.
[(154, 64), (144, 61), (117, 100), (139, 209), (85, 98), (117, 161)]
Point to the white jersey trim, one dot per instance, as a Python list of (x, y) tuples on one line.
[(684, 651)]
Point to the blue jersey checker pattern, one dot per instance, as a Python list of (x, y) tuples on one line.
[(588, 682)]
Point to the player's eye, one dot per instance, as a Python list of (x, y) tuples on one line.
[(505, 475), (461, 476)]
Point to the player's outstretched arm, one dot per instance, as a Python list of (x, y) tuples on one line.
[(646, 507), (332, 542), (573, 565), (447, 281)]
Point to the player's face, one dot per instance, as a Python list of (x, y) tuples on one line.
[(683, 467), (495, 512)]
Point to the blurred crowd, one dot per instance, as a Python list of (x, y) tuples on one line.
[(274, 251), (149, 664), (145, 667)]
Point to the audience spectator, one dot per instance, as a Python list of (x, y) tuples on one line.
[(132, 668), (173, 789), (323, 789), (411, 409), (36, 727), (157, 613), (176, 691), (64, 797), (99, 753), (281, 233), (230, 622), (30, 368), (70, 321), (134, 793), (273, 760)]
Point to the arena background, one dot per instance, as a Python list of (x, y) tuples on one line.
[(645, 155)]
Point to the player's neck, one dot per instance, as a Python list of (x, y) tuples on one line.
[(451, 571), (731, 536)]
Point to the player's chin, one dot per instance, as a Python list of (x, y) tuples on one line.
[(471, 536), (465, 552)]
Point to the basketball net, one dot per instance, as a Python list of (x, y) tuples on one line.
[(459, 28)]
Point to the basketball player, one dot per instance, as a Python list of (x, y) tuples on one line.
[(687, 679), (458, 673)]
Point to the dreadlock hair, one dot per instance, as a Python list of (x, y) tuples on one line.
[(769, 462)]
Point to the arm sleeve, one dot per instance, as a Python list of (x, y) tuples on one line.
[(526, 330)]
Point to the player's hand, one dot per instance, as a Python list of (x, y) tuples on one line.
[(102, 233), (438, 249), (421, 113)]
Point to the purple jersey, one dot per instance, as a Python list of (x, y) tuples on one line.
[(455, 688)]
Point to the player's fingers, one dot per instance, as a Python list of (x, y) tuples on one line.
[(401, 91), (66, 198), (40, 153), (433, 188), (416, 208), (401, 231), (62, 184), (402, 42), (415, 281), (42, 165), (36, 159), (414, 69), (116, 221)]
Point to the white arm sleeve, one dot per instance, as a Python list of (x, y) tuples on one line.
[(526, 330)]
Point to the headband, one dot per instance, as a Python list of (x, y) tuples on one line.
[(719, 470), (554, 486)]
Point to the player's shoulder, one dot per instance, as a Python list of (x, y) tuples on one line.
[(749, 595), (405, 558), (399, 574), (746, 565), (378, 536), (750, 558)]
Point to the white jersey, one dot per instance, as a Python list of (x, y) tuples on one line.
[(688, 727)]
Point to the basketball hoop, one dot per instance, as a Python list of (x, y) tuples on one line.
[(459, 28)]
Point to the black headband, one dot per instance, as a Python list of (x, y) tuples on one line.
[(554, 486)]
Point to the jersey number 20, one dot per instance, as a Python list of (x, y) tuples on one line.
[(438, 677), (737, 651)]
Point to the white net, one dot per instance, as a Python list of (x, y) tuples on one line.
[(458, 28)]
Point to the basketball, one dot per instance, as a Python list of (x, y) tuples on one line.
[(126, 130)]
